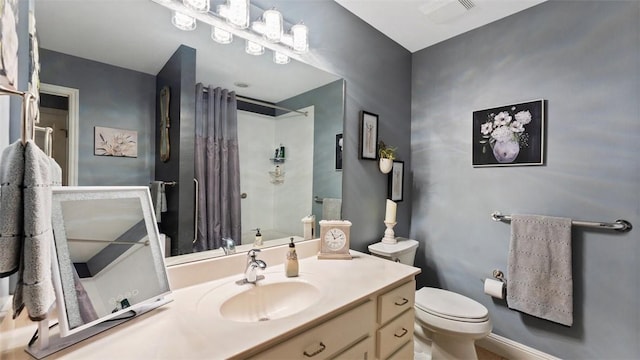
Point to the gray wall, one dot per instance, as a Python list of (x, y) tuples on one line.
[(377, 72), (179, 74), (110, 96), (583, 57), (328, 121)]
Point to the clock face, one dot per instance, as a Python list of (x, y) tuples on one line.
[(335, 239)]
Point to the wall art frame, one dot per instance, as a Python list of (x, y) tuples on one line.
[(115, 142), (339, 151), (368, 136), (509, 135), (395, 190)]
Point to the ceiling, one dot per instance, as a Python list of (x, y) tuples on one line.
[(142, 38), (417, 24)]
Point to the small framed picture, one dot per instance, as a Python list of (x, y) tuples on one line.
[(368, 135), (115, 142), (509, 135), (396, 181), (339, 144)]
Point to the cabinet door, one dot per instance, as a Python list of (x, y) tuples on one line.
[(394, 302), (395, 334), (364, 350), (405, 352), (329, 338)]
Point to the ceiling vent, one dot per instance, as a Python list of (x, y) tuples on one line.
[(442, 11)]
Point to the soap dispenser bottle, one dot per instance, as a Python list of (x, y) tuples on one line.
[(258, 241), (291, 265)]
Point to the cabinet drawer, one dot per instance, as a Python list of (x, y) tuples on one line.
[(363, 350), (405, 352), (328, 338), (396, 301), (395, 334)]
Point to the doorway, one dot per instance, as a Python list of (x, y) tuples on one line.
[(59, 110)]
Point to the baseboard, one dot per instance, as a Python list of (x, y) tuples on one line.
[(510, 349)]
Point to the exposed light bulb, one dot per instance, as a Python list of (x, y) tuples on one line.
[(300, 34), (221, 36), (236, 12), (254, 49), (183, 22), (273, 25), (197, 5), (280, 58)]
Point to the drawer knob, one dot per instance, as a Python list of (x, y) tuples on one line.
[(402, 302), (403, 333), (321, 349)]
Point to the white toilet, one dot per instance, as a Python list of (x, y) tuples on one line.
[(449, 321)]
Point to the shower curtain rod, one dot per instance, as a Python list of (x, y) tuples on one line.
[(263, 103)]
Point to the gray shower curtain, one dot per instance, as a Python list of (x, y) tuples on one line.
[(217, 167)]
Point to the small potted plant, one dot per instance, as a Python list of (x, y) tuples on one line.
[(387, 155)]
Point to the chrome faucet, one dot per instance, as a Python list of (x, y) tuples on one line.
[(251, 271)]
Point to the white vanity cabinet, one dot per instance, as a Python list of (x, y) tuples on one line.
[(395, 319), (348, 335), (380, 328)]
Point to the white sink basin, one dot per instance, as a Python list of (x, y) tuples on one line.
[(275, 297)]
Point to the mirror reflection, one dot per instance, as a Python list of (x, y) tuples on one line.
[(116, 72), (109, 258)]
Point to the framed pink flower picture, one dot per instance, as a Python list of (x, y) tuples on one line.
[(509, 135)]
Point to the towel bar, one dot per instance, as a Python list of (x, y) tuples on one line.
[(618, 225)]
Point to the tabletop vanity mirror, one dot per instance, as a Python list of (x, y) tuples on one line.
[(110, 266)]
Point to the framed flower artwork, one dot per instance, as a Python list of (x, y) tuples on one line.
[(368, 135), (395, 190), (115, 142), (509, 135)]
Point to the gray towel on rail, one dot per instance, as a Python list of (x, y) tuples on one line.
[(34, 289), (540, 281), (331, 209), (158, 198), (11, 175)]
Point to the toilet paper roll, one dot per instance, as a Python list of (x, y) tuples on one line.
[(494, 288)]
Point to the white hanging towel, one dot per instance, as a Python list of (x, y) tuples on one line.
[(540, 281)]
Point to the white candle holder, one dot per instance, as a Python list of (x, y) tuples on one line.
[(389, 235)]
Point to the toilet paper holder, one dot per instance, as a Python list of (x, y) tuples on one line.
[(496, 288), (498, 274)]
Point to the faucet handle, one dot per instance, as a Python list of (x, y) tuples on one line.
[(252, 253)]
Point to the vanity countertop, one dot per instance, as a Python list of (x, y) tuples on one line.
[(178, 330)]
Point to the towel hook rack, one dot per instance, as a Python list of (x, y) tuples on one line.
[(619, 225)]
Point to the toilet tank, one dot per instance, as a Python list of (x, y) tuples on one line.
[(404, 251)]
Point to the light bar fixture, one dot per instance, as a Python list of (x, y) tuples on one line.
[(232, 18)]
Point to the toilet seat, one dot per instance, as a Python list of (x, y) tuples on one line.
[(452, 315), (451, 306)]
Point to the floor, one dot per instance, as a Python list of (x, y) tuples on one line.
[(484, 354), (423, 352)]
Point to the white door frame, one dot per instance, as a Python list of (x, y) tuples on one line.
[(73, 96)]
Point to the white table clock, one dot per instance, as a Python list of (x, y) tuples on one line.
[(334, 239)]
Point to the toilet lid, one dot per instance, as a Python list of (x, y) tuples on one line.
[(389, 250), (450, 305)]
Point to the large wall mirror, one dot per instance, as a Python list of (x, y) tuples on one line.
[(100, 59)]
